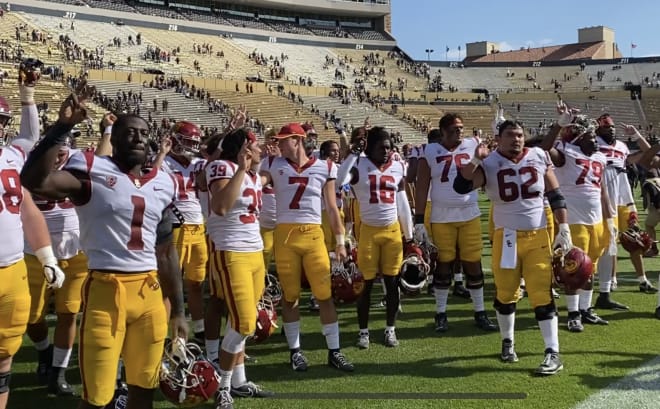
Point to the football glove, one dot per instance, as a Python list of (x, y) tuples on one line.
[(563, 240), (420, 234), (52, 272), (54, 276)]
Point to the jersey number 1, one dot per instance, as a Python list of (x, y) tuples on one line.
[(135, 242)]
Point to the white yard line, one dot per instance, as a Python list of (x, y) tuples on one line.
[(640, 389)]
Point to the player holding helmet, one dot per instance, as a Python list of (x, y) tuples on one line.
[(379, 185)]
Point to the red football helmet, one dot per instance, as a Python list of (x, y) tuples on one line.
[(273, 289), (347, 281), (635, 239), (266, 320), (187, 378), (573, 270), (414, 270), (186, 138)]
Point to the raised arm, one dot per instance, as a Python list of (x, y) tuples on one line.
[(471, 176), (28, 133), (37, 174)]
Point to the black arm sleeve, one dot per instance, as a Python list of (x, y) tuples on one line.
[(556, 199), (55, 136), (462, 186), (164, 229)]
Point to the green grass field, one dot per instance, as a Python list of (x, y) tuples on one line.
[(464, 360)]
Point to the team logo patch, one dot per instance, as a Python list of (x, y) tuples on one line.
[(111, 181), (281, 172)]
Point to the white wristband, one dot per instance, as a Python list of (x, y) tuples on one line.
[(46, 256), (475, 161), (26, 94), (108, 130), (340, 239)]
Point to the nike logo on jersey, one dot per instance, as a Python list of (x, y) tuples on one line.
[(10, 161), (158, 189)]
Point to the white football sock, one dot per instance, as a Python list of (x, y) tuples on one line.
[(198, 326), (331, 332), (292, 332), (225, 379), (506, 324), (238, 377), (61, 357), (550, 332), (441, 295), (586, 297), (605, 266), (572, 302), (212, 347), (42, 345), (477, 295)]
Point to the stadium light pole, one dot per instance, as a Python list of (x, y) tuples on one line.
[(428, 54)]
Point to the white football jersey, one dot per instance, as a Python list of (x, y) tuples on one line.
[(118, 220), (62, 221), (187, 201), (580, 180), (616, 154), (616, 179), (517, 189), (298, 190), (11, 162), (268, 215), (447, 205), (376, 191), (238, 229)]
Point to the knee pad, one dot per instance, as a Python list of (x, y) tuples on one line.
[(545, 312), (474, 282), (442, 279), (5, 377), (504, 309), (233, 341)]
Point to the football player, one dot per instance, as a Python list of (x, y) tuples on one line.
[(119, 207), (515, 179), (329, 150), (416, 153), (651, 161), (62, 222), (234, 227), (455, 219), (19, 218), (182, 162), (300, 183), (379, 185), (579, 170), (622, 206)]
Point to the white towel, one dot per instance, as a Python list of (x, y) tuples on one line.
[(509, 249)]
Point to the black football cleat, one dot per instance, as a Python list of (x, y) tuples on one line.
[(44, 363), (551, 364), (250, 390), (508, 354), (605, 303), (575, 322), (657, 313), (338, 360), (57, 384), (298, 361), (441, 324), (589, 316), (647, 287), (482, 321)]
